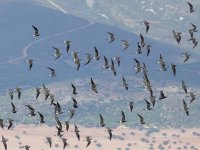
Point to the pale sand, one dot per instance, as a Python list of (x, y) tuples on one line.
[(33, 136)]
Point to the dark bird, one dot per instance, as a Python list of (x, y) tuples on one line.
[(138, 66), (30, 63), (59, 124), (78, 63), (152, 99), (125, 44), (67, 125), (10, 123), (131, 105), (190, 7), (192, 30), (123, 118), (93, 86), (1, 123), (36, 32), (141, 119), (58, 131), (192, 97), (112, 67), (58, 108), (49, 141), (111, 37), (185, 108), (162, 63), (64, 140), (110, 133), (162, 96), (4, 140), (57, 53), (106, 65), (194, 42), (75, 104), (53, 72), (142, 40), (72, 113), (27, 147), (31, 110), (183, 85), (139, 48), (46, 92), (88, 139), (18, 90), (75, 55), (37, 90), (10, 93), (96, 56), (187, 56), (88, 58), (148, 49), (124, 83), (76, 132), (173, 67), (67, 43), (177, 36), (41, 118), (146, 23), (102, 124), (73, 89), (13, 108), (148, 107), (117, 60)]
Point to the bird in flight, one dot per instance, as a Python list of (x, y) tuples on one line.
[(146, 23), (111, 37), (30, 63), (36, 32), (191, 9)]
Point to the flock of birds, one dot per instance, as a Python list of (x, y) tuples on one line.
[(139, 67)]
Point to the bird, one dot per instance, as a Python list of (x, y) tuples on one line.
[(77, 63), (124, 83), (183, 85), (148, 107), (123, 118), (93, 86), (112, 67), (53, 72), (125, 44), (142, 40), (30, 63), (106, 65), (49, 141), (191, 9), (146, 23), (74, 103), (73, 89), (152, 99), (88, 139), (88, 58), (58, 131), (64, 140), (10, 93), (177, 36), (67, 43), (187, 56), (31, 110), (41, 118), (162, 63), (72, 112), (102, 124), (36, 32), (67, 125), (75, 55), (148, 49), (57, 53), (192, 30), (194, 42), (18, 90), (111, 37), (1, 123), (185, 108), (117, 58), (139, 48), (4, 140), (27, 147), (76, 132), (162, 96), (58, 108), (138, 66), (110, 133), (192, 97), (37, 90), (173, 67), (10, 123), (141, 119), (13, 108), (96, 56), (131, 105)]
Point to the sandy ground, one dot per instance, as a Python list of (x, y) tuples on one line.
[(123, 139)]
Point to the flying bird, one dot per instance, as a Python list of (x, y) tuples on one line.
[(73, 89), (67, 43), (74, 103), (138, 66), (53, 72), (64, 140), (57, 53), (177, 36), (148, 107), (186, 109), (10, 123), (102, 124), (148, 49), (187, 56), (162, 96), (192, 97), (139, 48), (76, 132), (27, 147), (141, 119), (131, 105), (117, 60), (96, 56), (111, 37), (31, 110), (173, 67), (146, 23), (93, 86), (67, 125), (191, 9), (124, 83), (125, 44), (36, 32), (13, 108), (88, 58), (112, 67), (4, 140), (1, 123), (49, 141), (183, 85), (88, 139), (106, 65), (110, 133), (123, 118), (10, 93), (162, 63), (30, 63), (41, 118), (18, 90), (142, 40)]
